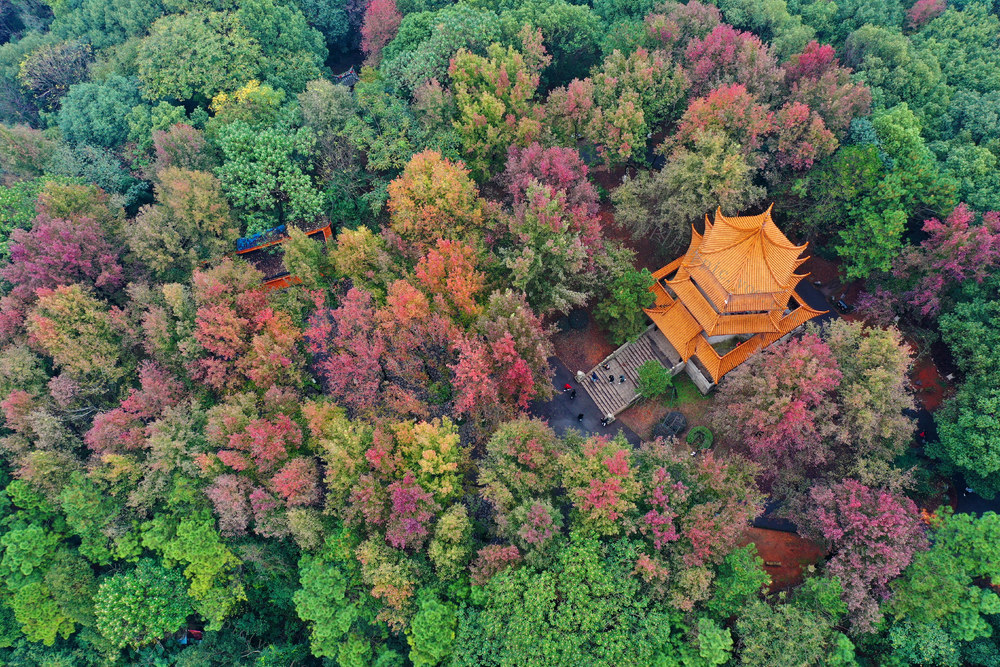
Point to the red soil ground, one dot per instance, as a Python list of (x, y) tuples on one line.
[(650, 256), (642, 416), (929, 387), (820, 269), (582, 350), (786, 555)]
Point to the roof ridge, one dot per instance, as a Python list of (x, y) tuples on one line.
[(770, 269)]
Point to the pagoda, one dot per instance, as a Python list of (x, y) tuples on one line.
[(732, 293)]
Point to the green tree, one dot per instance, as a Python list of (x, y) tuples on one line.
[(740, 580), (714, 644), (588, 609), (384, 129), (871, 242), (975, 169), (141, 605), (293, 51), (830, 192), (307, 260), (968, 423), (426, 44), (48, 586), (96, 113), (195, 55), (190, 225), (715, 173), (78, 332), (914, 185), (209, 565), (105, 23), (621, 311), (654, 379), (797, 633), (17, 207), (265, 173), (897, 71), (965, 41), (432, 632), (572, 34), (495, 99), (937, 595), (332, 600)]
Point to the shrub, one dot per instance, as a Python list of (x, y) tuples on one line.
[(654, 379), (700, 437)]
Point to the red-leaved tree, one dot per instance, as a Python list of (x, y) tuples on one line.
[(61, 251), (873, 534), (347, 349), (956, 250), (298, 482), (434, 198), (691, 511), (922, 12), (563, 170), (503, 364), (243, 339), (380, 25), (802, 137), (181, 146), (816, 78), (124, 428), (779, 407), (730, 110), (729, 56), (680, 23), (449, 275)]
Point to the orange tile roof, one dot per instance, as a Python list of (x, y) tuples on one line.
[(735, 279), (743, 303), (677, 325), (749, 255), (742, 352), (742, 324), (695, 302)]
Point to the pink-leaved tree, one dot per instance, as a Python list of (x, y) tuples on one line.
[(380, 25), (872, 534)]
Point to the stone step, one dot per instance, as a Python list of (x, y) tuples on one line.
[(606, 397), (612, 398), (604, 403), (607, 400)]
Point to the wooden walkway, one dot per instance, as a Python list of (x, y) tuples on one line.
[(614, 396)]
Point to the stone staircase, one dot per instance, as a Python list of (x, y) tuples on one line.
[(613, 397)]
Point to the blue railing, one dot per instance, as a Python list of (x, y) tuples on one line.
[(257, 239)]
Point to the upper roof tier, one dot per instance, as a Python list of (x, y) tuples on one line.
[(745, 255)]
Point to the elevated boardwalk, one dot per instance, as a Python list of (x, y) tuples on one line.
[(613, 397)]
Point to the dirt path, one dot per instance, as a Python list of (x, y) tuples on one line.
[(786, 555)]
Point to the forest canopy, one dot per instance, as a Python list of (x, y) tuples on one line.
[(286, 287)]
